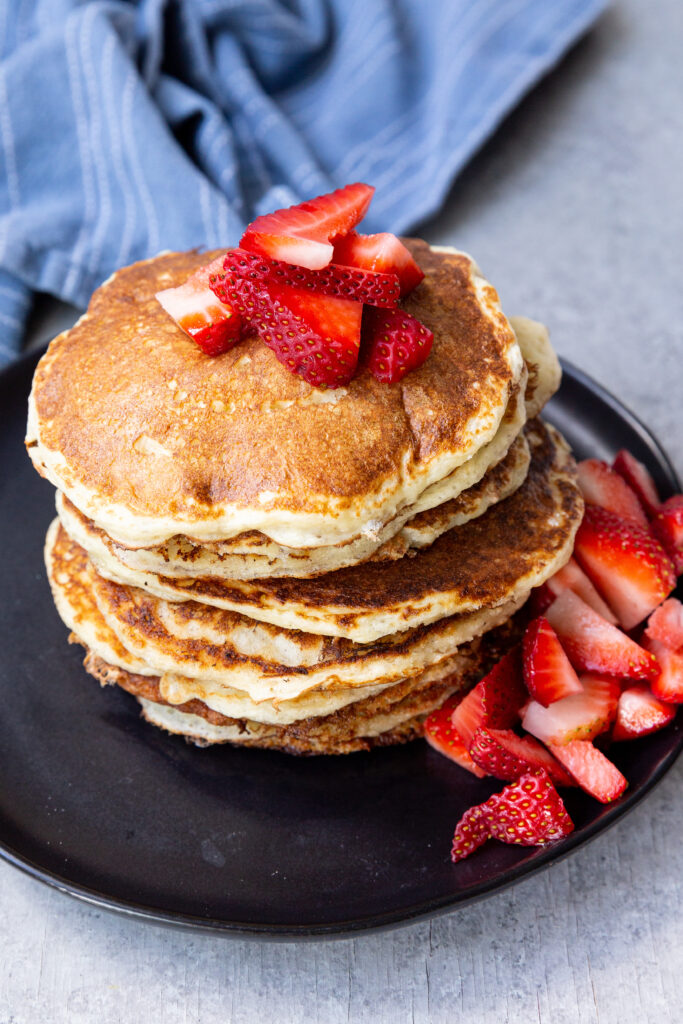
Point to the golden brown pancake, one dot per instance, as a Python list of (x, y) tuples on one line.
[(151, 438), (342, 732), (484, 563), (500, 482), (393, 716), (222, 654), (544, 371), (184, 559)]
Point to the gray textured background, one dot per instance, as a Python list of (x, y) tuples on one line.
[(574, 211)]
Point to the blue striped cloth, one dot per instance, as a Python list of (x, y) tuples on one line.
[(130, 127)]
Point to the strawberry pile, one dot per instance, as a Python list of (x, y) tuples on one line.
[(324, 298), (601, 660)]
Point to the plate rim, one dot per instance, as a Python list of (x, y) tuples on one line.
[(406, 915)]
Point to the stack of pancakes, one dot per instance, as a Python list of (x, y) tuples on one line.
[(266, 563)]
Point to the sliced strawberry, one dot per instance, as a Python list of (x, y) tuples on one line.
[(343, 282), (505, 755), (522, 711), (384, 252), (639, 480), (540, 600), (629, 567), (394, 343), (668, 683), (495, 700), (602, 486), (572, 577), (666, 624), (548, 673), (667, 526), (301, 234), (578, 717), (640, 713), (211, 323), (314, 336), (214, 339), (595, 645), (594, 772), (441, 735), (529, 812)]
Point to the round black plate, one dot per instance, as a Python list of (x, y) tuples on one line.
[(107, 808)]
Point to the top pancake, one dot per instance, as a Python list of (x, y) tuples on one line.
[(150, 438)]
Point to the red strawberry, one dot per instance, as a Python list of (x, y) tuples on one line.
[(667, 526), (595, 645), (441, 735), (666, 624), (529, 812), (592, 770), (505, 755), (394, 342), (383, 252), (629, 567), (572, 577), (301, 234), (602, 486), (668, 683), (548, 673), (639, 713), (539, 601), (494, 701), (212, 324), (580, 716), (216, 338), (342, 282), (314, 336), (522, 711), (639, 480)]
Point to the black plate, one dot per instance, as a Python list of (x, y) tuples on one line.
[(107, 808)]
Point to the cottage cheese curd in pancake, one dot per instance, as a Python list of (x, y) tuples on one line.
[(486, 562), (151, 439)]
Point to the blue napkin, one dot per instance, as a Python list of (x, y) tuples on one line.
[(127, 128)]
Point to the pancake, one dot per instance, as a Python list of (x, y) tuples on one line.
[(500, 482), (471, 472), (253, 555), (197, 647), (382, 732), (151, 439), (342, 732), (392, 716), (235, 705), (487, 562), (181, 559), (544, 371)]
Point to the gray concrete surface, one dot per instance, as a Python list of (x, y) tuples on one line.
[(574, 211)]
